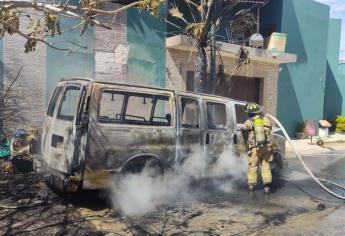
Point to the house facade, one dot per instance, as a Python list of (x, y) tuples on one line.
[(306, 82)]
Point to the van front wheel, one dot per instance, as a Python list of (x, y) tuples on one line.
[(276, 164)]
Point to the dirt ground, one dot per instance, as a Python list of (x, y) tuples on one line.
[(295, 207)]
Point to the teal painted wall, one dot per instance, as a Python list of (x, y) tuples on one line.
[(342, 69), (301, 85), (79, 63), (335, 80), (146, 36)]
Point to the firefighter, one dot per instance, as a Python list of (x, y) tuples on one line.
[(258, 129)]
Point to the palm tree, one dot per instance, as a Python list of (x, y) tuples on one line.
[(208, 17)]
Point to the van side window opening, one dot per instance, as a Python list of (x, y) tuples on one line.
[(190, 115), (162, 111), (139, 108), (53, 101), (69, 103), (216, 116), (111, 107), (241, 115), (135, 108)]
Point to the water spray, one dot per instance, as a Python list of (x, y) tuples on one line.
[(316, 179)]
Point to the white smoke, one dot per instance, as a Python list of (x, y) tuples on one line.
[(229, 165), (138, 194)]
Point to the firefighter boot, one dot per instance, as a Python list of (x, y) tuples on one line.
[(251, 188), (267, 189)]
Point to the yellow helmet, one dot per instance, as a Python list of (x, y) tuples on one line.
[(253, 108)]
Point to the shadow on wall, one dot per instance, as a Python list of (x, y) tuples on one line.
[(301, 85), (288, 110), (295, 43), (333, 97)]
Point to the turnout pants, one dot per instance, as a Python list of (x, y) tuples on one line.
[(259, 156)]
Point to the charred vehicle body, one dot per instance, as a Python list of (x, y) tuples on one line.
[(94, 131)]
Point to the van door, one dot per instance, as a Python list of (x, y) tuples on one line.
[(219, 132), (48, 122), (189, 131), (60, 140), (241, 116)]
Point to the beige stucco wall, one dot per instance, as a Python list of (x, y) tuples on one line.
[(179, 62)]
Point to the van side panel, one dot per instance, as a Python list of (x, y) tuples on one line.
[(111, 145)]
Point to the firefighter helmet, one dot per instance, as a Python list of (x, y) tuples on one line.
[(253, 108)]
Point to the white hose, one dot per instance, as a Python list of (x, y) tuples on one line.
[(317, 180)]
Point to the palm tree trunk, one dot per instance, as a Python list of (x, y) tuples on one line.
[(201, 80)]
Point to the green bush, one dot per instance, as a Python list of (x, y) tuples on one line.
[(300, 128), (340, 124)]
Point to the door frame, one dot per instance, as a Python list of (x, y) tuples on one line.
[(230, 129), (62, 157), (181, 130)]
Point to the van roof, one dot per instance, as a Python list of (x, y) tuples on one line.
[(148, 87)]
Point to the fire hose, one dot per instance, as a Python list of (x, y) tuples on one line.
[(316, 179)]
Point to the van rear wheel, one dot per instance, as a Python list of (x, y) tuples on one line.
[(150, 166)]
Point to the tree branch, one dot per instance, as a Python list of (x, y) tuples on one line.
[(113, 12), (9, 87), (9, 5), (14, 29), (68, 30), (64, 10)]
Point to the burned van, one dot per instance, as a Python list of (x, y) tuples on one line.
[(95, 131)]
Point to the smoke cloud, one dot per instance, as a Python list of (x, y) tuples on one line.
[(138, 194)]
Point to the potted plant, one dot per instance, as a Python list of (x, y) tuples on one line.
[(300, 131)]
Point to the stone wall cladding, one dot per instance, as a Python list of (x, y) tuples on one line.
[(106, 41), (178, 64), (31, 85)]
